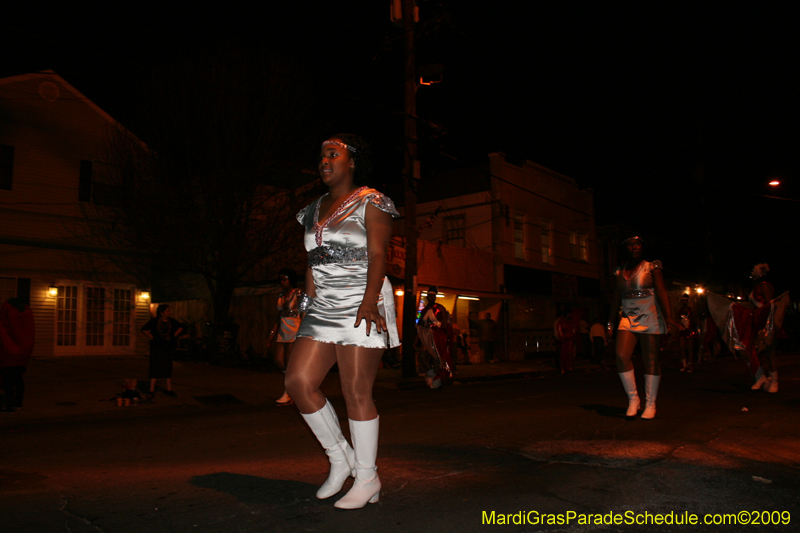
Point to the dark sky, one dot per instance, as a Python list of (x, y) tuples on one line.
[(675, 117)]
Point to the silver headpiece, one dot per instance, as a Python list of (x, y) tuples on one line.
[(338, 143), (632, 239)]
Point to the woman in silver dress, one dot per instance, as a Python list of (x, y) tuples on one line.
[(350, 319), (646, 314)]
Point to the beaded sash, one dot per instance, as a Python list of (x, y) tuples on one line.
[(325, 255), (640, 293)]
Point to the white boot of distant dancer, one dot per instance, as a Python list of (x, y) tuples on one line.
[(629, 384), (367, 487), (325, 425), (651, 391), (760, 377), (771, 383)]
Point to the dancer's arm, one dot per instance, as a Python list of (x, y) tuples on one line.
[(379, 231)]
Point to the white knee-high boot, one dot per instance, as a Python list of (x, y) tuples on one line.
[(760, 378), (367, 486), (629, 384), (651, 383), (771, 383), (325, 425)]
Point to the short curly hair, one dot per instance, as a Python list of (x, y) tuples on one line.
[(362, 157), (289, 273)]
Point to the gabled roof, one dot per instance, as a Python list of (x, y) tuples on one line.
[(49, 74)]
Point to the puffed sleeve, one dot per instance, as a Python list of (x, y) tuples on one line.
[(384, 203), (301, 215)]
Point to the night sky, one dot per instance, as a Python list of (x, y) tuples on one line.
[(676, 117)]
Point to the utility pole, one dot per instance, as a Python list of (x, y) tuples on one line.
[(411, 178)]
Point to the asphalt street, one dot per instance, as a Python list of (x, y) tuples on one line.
[(528, 450)]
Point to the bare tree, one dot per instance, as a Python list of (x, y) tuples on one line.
[(213, 187)]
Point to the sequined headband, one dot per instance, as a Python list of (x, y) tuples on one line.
[(632, 239), (339, 143)]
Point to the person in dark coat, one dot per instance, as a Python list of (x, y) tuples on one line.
[(163, 332), (17, 334)]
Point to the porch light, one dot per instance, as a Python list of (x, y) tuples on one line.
[(774, 183), (52, 291), (700, 290), (468, 298), (144, 296), (399, 292)]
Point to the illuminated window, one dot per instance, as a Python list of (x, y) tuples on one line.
[(547, 242), (67, 316), (95, 316), (577, 246), (123, 306)]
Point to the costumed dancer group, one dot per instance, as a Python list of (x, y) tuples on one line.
[(747, 328), (349, 316), (750, 328), (646, 314)]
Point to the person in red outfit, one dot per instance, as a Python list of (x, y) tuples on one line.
[(566, 333), (435, 318), (17, 334)]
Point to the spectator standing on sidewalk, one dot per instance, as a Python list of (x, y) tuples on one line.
[(599, 341), (163, 332), (17, 334), (487, 337), (566, 333)]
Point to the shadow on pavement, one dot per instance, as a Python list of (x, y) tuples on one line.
[(606, 410), (254, 490)]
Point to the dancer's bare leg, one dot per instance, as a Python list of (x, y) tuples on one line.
[(280, 356), (310, 362), (767, 358), (626, 342), (650, 348), (357, 369), (287, 353)]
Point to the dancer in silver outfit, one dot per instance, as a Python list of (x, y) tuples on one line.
[(646, 314), (350, 319)]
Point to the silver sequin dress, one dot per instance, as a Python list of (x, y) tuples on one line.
[(641, 312), (339, 267)]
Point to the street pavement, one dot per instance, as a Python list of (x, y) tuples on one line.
[(512, 442), (87, 385)]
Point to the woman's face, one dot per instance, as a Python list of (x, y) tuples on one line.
[(335, 165), (635, 249), (167, 312), (284, 279)]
